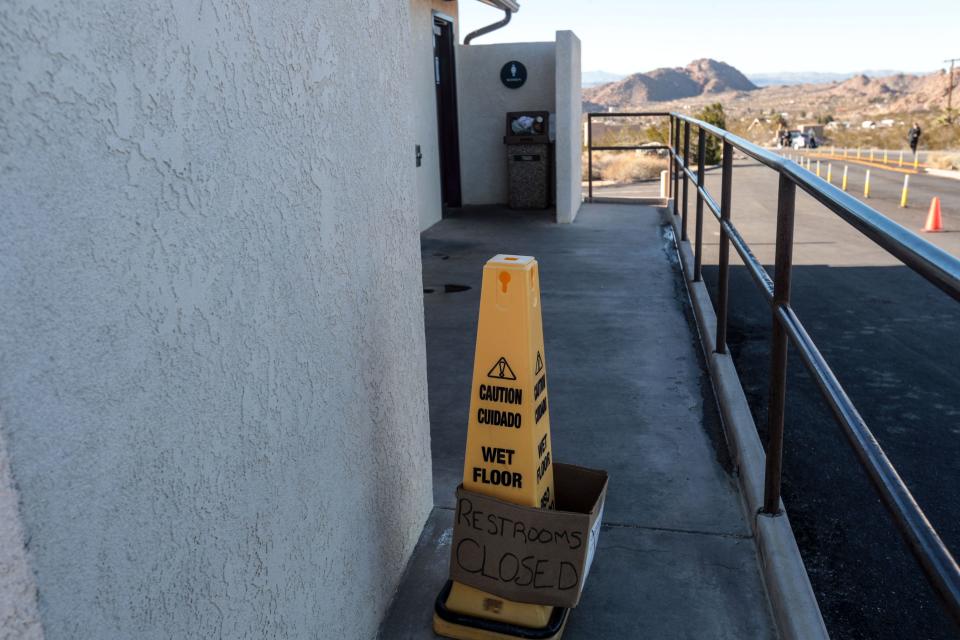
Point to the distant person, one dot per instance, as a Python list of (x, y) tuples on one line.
[(914, 137)]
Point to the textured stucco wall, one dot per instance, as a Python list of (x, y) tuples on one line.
[(19, 619), (425, 105), (569, 130), (212, 371), (484, 103)]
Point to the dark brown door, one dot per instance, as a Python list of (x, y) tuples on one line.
[(449, 137)]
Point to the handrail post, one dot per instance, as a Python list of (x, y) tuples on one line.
[(670, 160), (590, 157), (724, 258), (698, 242), (786, 201), (686, 179), (675, 184)]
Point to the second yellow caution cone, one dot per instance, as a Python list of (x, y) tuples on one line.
[(508, 442)]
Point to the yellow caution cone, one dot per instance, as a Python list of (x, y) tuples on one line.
[(508, 443)]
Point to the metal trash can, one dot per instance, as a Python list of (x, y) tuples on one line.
[(529, 155)]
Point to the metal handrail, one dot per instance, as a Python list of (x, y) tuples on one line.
[(928, 260), (591, 148), (932, 263)]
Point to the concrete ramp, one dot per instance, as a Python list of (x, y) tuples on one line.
[(629, 394)]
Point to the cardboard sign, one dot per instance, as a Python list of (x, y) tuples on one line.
[(526, 554)]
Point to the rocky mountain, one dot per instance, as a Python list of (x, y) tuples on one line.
[(593, 78), (700, 77), (705, 81), (810, 77)]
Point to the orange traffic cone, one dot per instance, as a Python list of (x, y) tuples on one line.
[(934, 222)]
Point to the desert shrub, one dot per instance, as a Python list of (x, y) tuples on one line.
[(945, 161), (625, 166), (713, 114)]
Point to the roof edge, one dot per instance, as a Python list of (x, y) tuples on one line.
[(507, 5)]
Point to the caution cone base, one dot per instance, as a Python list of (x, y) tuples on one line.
[(451, 624)]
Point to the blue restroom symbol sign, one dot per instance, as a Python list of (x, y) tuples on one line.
[(513, 74)]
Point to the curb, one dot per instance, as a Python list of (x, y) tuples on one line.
[(794, 604), (944, 173)]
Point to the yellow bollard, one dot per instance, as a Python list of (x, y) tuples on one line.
[(858, 153), (916, 161), (844, 182), (903, 196), (818, 168), (871, 154), (901, 158), (866, 185), (845, 150), (884, 156), (829, 173), (508, 433)]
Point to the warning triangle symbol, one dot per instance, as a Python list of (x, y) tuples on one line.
[(539, 367), (501, 370)]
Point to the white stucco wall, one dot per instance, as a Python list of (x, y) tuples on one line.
[(425, 105), (484, 103), (212, 370), (18, 592), (569, 130)]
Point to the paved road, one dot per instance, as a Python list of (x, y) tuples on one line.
[(894, 342), (885, 190), (639, 189)]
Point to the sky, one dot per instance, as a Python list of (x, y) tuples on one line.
[(626, 36)]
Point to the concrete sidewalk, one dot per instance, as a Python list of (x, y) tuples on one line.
[(629, 394)]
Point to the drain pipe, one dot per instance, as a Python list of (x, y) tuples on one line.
[(507, 14)]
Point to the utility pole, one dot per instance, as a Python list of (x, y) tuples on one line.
[(952, 61)]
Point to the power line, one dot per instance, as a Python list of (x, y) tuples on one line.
[(952, 61)]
